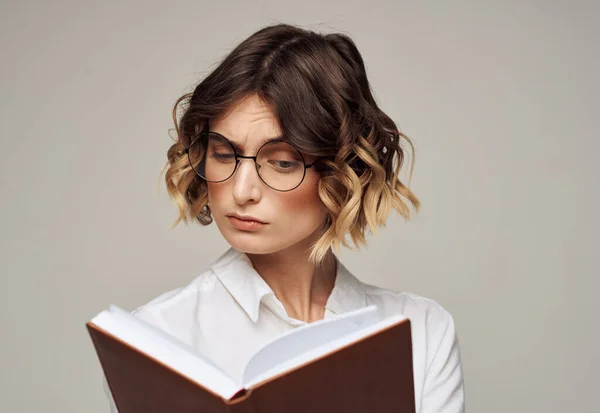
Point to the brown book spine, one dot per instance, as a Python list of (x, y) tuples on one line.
[(242, 403)]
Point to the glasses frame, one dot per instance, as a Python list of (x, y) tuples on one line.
[(239, 158)]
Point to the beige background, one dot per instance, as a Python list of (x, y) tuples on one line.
[(501, 99)]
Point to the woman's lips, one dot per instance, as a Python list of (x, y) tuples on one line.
[(245, 225)]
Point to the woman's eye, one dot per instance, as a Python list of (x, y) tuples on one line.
[(283, 165), (222, 156)]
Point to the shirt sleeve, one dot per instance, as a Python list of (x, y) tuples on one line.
[(443, 390)]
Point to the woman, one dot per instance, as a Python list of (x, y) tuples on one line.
[(284, 147)]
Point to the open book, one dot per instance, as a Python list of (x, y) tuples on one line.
[(351, 362)]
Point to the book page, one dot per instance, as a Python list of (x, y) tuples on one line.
[(166, 349), (305, 338), (323, 349)]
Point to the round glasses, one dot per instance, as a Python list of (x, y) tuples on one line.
[(278, 164)]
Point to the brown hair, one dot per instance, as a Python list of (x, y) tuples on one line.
[(317, 87)]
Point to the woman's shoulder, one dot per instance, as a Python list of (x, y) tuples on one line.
[(420, 309), (432, 325), (177, 306), (170, 303)]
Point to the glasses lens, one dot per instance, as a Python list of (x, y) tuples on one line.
[(212, 157), (280, 166)]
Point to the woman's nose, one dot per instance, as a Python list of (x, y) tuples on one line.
[(246, 182)]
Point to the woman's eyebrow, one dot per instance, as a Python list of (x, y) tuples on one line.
[(238, 148)]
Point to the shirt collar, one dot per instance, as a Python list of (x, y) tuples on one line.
[(234, 269), (348, 291)]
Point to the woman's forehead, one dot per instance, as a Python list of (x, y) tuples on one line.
[(250, 122)]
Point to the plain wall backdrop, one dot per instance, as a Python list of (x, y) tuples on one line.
[(501, 99)]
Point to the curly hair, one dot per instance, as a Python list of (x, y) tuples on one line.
[(317, 87)]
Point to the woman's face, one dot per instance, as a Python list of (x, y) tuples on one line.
[(293, 218)]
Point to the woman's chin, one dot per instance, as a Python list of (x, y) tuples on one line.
[(249, 243)]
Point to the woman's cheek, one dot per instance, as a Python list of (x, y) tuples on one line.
[(303, 200)]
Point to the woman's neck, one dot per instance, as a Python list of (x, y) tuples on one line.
[(302, 288)]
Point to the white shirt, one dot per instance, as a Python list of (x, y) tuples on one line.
[(228, 312)]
